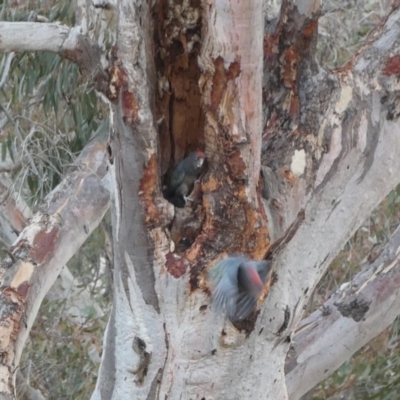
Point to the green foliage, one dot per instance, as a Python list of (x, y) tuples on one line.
[(344, 26), (60, 353), (52, 110), (85, 264)]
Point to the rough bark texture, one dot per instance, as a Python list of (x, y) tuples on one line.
[(135, 349), (67, 217), (348, 163), (14, 217), (320, 150), (174, 346), (188, 74)]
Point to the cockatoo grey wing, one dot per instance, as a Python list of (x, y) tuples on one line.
[(226, 267), (244, 305), (177, 177), (224, 278), (225, 296)]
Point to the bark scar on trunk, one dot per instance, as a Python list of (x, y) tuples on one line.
[(355, 308), (285, 321), (139, 347)]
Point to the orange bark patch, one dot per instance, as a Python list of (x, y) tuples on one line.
[(236, 165), (233, 70), (23, 289), (290, 68), (44, 245), (210, 184), (176, 265), (218, 84), (193, 252), (392, 66), (118, 79), (130, 107), (310, 29), (220, 80), (147, 189), (260, 225), (23, 273), (288, 175), (271, 43)]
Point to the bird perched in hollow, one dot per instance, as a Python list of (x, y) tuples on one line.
[(182, 178), (238, 283)]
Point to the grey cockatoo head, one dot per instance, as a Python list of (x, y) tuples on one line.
[(238, 283), (194, 161)]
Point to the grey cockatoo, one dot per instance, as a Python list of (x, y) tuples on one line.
[(183, 176), (238, 283)]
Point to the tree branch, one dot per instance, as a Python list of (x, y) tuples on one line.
[(6, 69), (355, 314), (68, 215), (14, 216), (14, 213), (344, 144), (68, 42), (33, 36)]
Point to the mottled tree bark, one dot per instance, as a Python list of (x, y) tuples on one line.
[(67, 217), (293, 152), (322, 147)]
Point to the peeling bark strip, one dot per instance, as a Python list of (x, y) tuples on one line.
[(285, 322), (53, 235)]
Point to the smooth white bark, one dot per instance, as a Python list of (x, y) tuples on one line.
[(33, 36)]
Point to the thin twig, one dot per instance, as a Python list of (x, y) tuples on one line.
[(6, 69)]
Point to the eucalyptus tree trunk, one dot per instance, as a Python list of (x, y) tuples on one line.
[(292, 151), (297, 158)]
